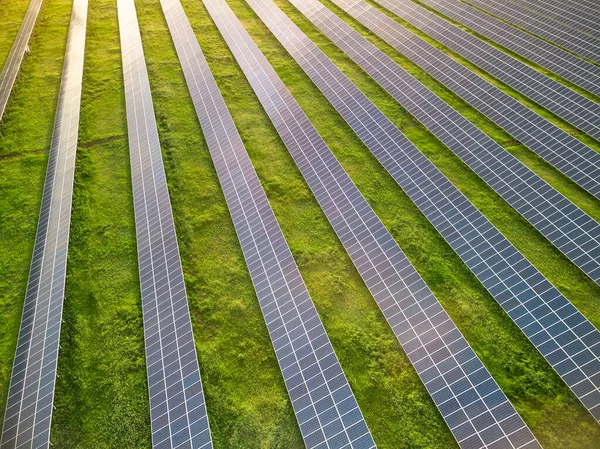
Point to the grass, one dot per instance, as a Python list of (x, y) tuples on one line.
[(101, 398), (101, 393)]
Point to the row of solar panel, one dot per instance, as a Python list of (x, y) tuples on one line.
[(476, 410), (557, 32), (552, 95), (550, 212), (534, 304), (177, 408), (163, 297)]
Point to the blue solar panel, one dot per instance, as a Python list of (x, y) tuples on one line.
[(587, 7), (552, 95), (563, 63), (470, 401), (572, 231), (577, 17), (563, 151), (325, 407), (17, 52), (568, 341), (583, 8), (31, 392), (558, 33), (177, 406)]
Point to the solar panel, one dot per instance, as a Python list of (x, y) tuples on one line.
[(17, 52), (567, 154), (474, 407), (567, 65), (568, 341), (559, 34), (590, 5), (325, 407), (577, 18), (177, 405), (552, 95), (570, 229), (31, 392), (585, 6)]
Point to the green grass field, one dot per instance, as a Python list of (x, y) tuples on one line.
[(101, 394)]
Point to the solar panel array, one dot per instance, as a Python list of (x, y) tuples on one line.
[(576, 18), (552, 95), (31, 392), (562, 35), (474, 407), (470, 401), (589, 8), (567, 65), (568, 341), (177, 405), (325, 407), (567, 154), (588, 5), (572, 231), (17, 52)]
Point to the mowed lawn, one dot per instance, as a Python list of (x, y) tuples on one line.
[(101, 394)]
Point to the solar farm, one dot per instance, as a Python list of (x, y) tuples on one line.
[(286, 224)]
